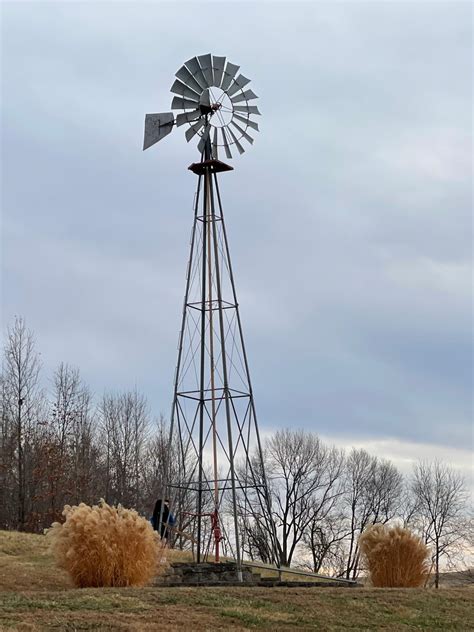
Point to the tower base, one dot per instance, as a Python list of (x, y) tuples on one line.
[(226, 574), (207, 574)]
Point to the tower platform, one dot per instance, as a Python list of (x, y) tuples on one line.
[(215, 166)]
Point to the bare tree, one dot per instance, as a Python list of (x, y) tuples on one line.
[(21, 402), (325, 542), (124, 421), (440, 508), (256, 539), (373, 492), (85, 451), (67, 450), (304, 483), (359, 471), (68, 403), (7, 460)]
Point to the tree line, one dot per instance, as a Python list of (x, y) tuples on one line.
[(323, 498), (65, 447)]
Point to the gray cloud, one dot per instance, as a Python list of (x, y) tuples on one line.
[(349, 220)]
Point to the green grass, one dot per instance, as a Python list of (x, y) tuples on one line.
[(249, 619)]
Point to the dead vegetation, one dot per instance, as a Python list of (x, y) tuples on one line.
[(395, 557), (106, 546)]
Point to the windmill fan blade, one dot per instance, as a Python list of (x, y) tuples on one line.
[(178, 103), (195, 69), (226, 144), (243, 132), (229, 74), (247, 121), (183, 91), (205, 98), (194, 129), (237, 144), (203, 141), (187, 117), (238, 84), (250, 109), (186, 77), (214, 144), (157, 126), (245, 96), (205, 62), (218, 64)]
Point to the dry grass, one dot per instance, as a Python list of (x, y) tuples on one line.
[(35, 596), (176, 555), (282, 609), (26, 562), (395, 557), (106, 546)]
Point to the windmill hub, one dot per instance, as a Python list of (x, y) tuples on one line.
[(220, 109)]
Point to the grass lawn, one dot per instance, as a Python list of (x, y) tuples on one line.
[(34, 595)]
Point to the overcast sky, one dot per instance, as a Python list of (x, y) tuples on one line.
[(349, 219)]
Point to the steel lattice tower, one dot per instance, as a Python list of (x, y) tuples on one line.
[(218, 477)]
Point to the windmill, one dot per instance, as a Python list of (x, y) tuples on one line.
[(213, 419), (214, 103)]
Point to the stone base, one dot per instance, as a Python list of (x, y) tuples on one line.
[(206, 574), (225, 574)]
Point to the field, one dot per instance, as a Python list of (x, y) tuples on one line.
[(34, 595)]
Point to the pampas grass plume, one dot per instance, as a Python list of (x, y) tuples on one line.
[(395, 557), (105, 545)]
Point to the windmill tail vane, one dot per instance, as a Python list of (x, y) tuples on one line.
[(214, 104), (217, 487)]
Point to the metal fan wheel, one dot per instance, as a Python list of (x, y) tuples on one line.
[(214, 102)]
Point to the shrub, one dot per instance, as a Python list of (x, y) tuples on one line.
[(395, 557), (106, 546)]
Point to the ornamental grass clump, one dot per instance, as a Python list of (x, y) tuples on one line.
[(106, 546), (395, 557)]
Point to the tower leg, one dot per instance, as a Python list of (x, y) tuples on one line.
[(266, 505), (202, 378), (174, 408), (225, 382)]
